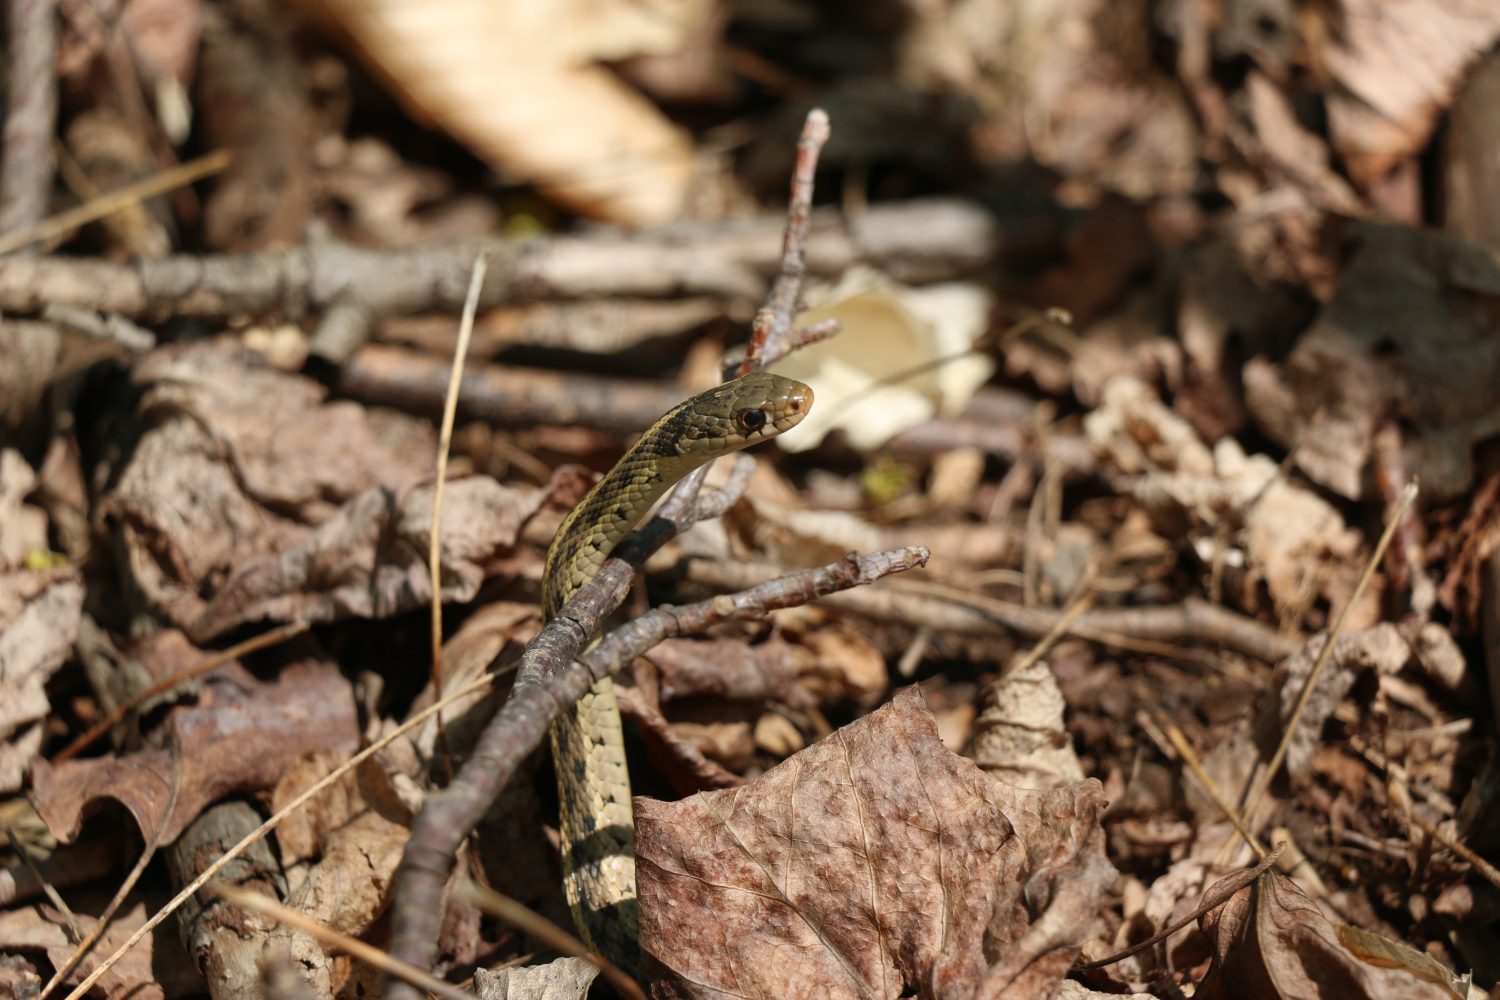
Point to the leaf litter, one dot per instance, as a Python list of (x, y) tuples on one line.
[(1197, 378)]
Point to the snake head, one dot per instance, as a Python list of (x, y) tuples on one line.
[(739, 413)]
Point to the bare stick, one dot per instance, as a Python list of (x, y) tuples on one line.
[(770, 336), (31, 114)]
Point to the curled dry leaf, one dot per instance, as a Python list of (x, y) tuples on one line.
[(356, 848), (39, 618), (217, 748), (1271, 942), (907, 365), (1020, 737), (873, 864)]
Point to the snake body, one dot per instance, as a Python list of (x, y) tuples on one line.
[(597, 820)]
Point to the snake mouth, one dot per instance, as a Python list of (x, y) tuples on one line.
[(795, 406)]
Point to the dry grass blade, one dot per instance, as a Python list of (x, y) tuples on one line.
[(107, 204), (445, 439), (1252, 801)]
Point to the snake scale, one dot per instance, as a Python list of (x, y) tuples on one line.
[(597, 819)]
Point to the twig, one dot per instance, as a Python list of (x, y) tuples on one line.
[(256, 902), (48, 889), (30, 115), (1161, 630), (445, 439), (254, 644), (934, 240), (1219, 895), (771, 333), (1268, 774), (530, 922), (113, 201)]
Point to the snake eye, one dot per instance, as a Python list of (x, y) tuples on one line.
[(750, 421)]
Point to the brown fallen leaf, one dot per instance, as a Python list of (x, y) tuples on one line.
[(39, 619), (875, 863), (1396, 66), (141, 974), (1020, 737), (238, 744), (369, 559), (1408, 330), (240, 461), (341, 853), (1271, 942)]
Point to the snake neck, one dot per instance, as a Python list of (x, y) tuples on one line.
[(607, 513)]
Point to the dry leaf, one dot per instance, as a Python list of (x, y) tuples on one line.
[(1293, 539), (135, 977), (1271, 942), (239, 461), (581, 134), (229, 743), (1408, 330), (885, 377), (1395, 66), (1020, 737), (1379, 647), (356, 848), (23, 529), (873, 864), (563, 979), (369, 560), (39, 618)]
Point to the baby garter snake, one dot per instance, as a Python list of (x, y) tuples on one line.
[(597, 820)]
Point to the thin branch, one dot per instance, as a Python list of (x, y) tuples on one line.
[(771, 334)]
